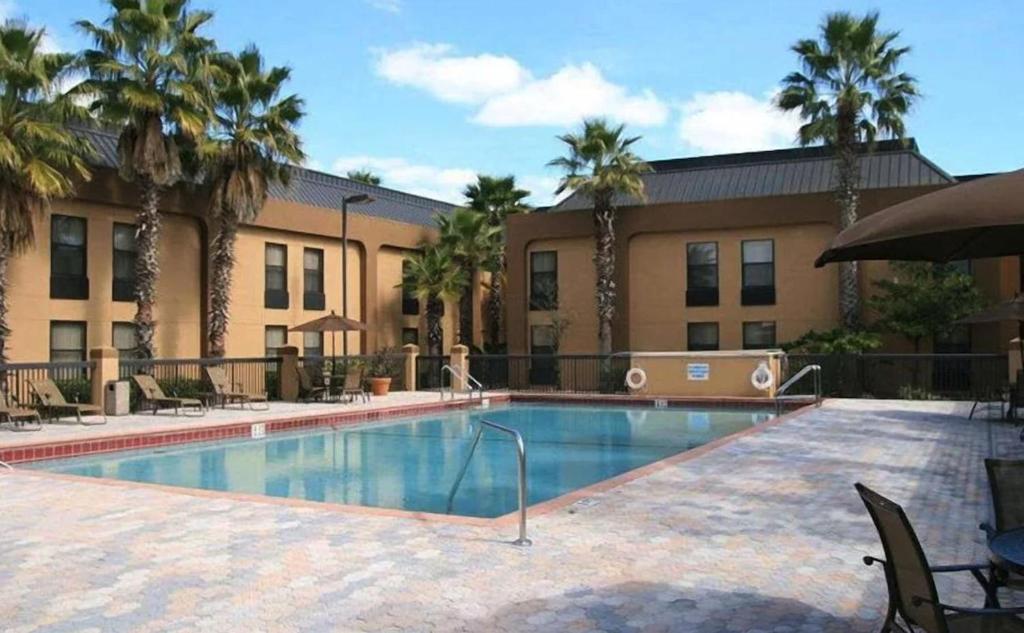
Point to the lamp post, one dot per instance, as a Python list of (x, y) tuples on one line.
[(359, 198)]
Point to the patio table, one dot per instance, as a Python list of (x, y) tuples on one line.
[(1008, 550)]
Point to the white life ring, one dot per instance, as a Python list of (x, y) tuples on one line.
[(636, 379), (762, 379)]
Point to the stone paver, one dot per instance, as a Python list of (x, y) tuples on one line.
[(762, 534)]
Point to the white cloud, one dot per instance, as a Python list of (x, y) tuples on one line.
[(541, 188), (506, 94), (9, 10), (724, 122), (432, 67), (440, 183), (391, 6)]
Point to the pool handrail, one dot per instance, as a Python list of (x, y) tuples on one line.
[(521, 460), (474, 384), (780, 393)]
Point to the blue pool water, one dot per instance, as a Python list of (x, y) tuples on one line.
[(411, 463)]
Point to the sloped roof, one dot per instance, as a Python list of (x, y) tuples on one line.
[(783, 172), (315, 188)]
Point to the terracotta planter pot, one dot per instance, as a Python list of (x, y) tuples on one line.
[(380, 386)]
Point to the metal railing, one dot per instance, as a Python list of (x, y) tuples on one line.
[(521, 460), (429, 372), (568, 373), (474, 385), (781, 396), (73, 378), (314, 366)]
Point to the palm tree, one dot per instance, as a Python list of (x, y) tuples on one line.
[(364, 176), (39, 156), (848, 92), (251, 140), (473, 245), (147, 74), (601, 165), (497, 198), (434, 278)]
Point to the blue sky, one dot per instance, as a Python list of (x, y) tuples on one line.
[(428, 92)]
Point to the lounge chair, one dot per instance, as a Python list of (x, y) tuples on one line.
[(307, 390), (227, 393), (52, 401), (153, 397), (1006, 481), (353, 385), (913, 597), (20, 418)]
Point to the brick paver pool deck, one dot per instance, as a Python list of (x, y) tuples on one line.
[(764, 533)]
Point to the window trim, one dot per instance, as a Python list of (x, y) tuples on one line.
[(113, 339), (122, 288), (690, 347), (551, 303), (274, 298), (702, 295), (775, 334), (85, 339), (69, 286), (266, 330), (756, 295), (311, 299)]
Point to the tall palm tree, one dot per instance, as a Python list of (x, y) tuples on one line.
[(473, 245), (497, 198), (433, 277), (39, 156), (601, 165), (250, 142), (849, 90), (147, 74), (364, 176)]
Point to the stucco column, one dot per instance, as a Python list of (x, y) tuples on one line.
[(460, 362), (288, 378), (409, 372), (107, 368), (371, 313)]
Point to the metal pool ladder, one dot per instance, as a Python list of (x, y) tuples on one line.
[(521, 460), (781, 396), (474, 385)]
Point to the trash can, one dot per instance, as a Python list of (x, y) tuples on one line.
[(116, 400)]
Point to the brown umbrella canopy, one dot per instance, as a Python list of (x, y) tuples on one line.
[(977, 218), (330, 323)]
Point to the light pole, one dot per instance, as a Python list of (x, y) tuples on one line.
[(359, 198)]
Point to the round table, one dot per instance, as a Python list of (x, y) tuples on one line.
[(1008, 550)]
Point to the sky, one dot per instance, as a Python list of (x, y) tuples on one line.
[(428, 93)]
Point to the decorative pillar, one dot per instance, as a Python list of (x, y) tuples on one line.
[(288, 378), (460, 362), (411, 352), (107, 368)]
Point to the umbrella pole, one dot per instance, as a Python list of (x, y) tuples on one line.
[(1020, 344)]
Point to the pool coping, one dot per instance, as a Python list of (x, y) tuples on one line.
[(538, 509)]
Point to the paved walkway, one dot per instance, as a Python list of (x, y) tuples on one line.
[(762, 534)]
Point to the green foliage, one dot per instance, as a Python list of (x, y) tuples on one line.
[(75, 389), (496, 197), (600, 163), (383, 364), (835, 341), (923, 300), (363, 175)]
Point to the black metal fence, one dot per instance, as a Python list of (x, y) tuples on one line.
[(907, 376), (74, 379), (184, 377), (337, 367), (574, 373), (430, 372)]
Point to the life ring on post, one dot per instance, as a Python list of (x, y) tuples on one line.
[(636, 379), (762, 379)]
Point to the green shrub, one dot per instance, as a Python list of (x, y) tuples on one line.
[(75, 389)]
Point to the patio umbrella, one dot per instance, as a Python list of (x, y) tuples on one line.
[(1012, 310), (978, 218), (330, 323)]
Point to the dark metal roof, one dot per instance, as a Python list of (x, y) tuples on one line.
[(783, 172), (314, 188)]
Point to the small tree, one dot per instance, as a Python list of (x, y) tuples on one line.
[(363, 175), (835, 341)]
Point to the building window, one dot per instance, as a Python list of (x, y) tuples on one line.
[(758, 334), (124, 339), (410, 336), (124, 262), (544, 280), (542, 343), (702, 274), (67, 341), (275, 294), (312, 344), (702, 337), (758, 273), (67, 258), (410, 302), (313, 279), (275, 337)]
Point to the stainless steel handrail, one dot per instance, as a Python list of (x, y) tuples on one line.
[(780, 393), (521, 459), (474, 384), (6, 465)]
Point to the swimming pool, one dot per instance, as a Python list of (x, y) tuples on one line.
[(411, 463)]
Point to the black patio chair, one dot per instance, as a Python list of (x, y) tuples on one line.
[(1006, 481), (913, 598)]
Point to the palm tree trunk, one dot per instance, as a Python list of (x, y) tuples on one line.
[(147, 265), (5, 330), (604, 265), (222, 263), (466, 312), (496, 307), (435, 337), (848, 180)]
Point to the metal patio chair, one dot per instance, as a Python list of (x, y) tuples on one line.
[(309, 392), (52, 401), (153, 397), (353, 386), (20, 418), (913, 598), (1006, 481), (226, 392)]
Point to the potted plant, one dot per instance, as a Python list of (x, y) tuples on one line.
[(379, 370)]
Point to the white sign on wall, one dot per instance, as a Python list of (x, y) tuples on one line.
[(258, 431), (698, 371)]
